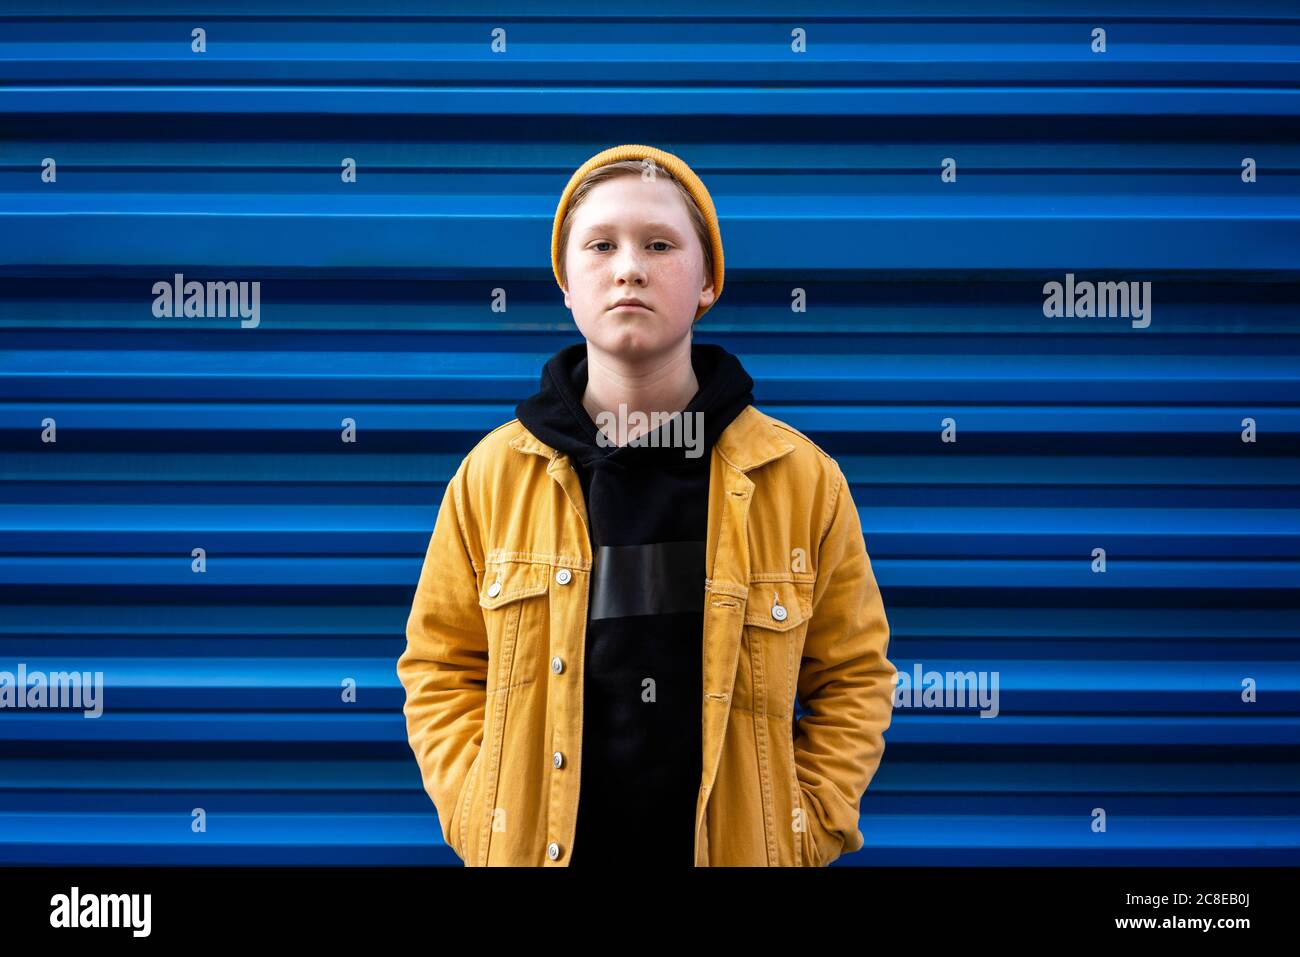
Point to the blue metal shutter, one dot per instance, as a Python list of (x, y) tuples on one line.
[(1121, 691)]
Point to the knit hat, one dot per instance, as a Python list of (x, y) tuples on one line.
[(674, 165)]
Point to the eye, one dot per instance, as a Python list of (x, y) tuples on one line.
[(605, 242)]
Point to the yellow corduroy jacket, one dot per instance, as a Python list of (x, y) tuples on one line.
[(493, 663)]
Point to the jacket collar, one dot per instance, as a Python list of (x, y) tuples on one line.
[(752, 439)]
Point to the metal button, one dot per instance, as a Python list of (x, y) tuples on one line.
[(564, 576), (494, 589), (553, 851), (557, 759), (778, 610), (557, 664)]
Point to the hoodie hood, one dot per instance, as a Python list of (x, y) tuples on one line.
[(555, 413)]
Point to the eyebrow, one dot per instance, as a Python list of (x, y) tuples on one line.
[(607, 227)]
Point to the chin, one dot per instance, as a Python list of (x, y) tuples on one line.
[(629, 338), (630, 335), (630, 343)]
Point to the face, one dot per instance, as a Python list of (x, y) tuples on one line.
[(632, 239)]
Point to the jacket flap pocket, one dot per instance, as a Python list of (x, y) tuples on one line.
[(778, 605), (510, 581)]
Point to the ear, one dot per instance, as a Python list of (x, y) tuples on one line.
[(706, 295)]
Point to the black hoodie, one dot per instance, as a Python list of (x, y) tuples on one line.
[(647, 513)]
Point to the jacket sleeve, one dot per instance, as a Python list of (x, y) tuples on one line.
[(846, 684), (444, 666)]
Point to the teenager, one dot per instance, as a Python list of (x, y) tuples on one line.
[(628, 584)]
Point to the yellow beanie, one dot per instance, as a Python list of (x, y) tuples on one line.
[(674, 165)]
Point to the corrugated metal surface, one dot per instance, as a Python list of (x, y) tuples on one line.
[(1120, 690)]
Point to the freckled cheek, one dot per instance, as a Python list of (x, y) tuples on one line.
[(587, 283), (678, 269), (593, 281), (683, 282)]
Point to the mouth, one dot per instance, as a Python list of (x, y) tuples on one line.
[(629, 305)]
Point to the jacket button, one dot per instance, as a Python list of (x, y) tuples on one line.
[(564, 576), (557, 664), (557, 759), (553, 851), (494, 589), (778, 610)]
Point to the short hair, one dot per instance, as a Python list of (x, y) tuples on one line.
[(602, 174)]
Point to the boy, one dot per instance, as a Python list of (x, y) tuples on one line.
[(627, 583)]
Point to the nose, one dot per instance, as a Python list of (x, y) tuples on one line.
[(628, 268)]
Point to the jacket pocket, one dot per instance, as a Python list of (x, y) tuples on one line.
[(826, 848), (776, 621), (507, 612), (808, 840), (456, 826)]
